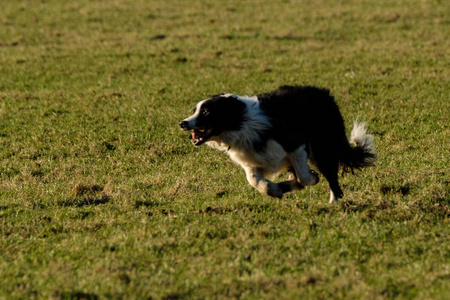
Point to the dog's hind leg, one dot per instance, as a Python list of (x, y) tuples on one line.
[(328, 165), (335, 189), (256, 179), (299, 160), (292, 184)]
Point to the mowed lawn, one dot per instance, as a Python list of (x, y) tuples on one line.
[(103, 197)]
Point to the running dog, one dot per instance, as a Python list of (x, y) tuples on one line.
[(280, 131)]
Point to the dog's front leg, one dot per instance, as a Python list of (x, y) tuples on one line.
[(299, 160), (256, 179), (292, 184)]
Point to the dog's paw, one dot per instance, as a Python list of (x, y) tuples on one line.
[(274, 190), (333, 198), (314, 177), (270, 189), (290, 185), (277, 194)]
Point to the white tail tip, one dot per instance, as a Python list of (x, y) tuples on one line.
[(360, 138)]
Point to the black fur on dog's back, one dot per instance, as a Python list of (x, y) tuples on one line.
[(309, 115), (300, 113)]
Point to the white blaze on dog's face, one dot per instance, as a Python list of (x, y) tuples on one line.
[(192, 119), (213, 116)]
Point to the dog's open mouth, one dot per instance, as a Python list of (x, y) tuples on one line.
[(200, 135)]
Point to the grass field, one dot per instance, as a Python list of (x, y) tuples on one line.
[(102, 196)]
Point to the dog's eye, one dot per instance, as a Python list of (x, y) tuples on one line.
[(204, 112)]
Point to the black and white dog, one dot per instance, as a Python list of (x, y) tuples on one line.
[(273, 132)]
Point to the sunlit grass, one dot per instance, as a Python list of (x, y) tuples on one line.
[(102, 196)]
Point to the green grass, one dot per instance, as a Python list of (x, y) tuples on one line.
[(102, 196)]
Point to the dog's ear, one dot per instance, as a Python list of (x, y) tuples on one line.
[(232, 105), (231, 112)]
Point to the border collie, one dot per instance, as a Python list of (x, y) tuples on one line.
[(273, 132)]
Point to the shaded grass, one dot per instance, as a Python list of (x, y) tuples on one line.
[(101, 196)]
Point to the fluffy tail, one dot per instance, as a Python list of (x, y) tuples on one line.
[(362, 151)]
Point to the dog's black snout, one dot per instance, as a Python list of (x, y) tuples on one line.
[(183, 124)]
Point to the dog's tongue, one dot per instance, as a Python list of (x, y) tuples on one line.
[(197, 134)]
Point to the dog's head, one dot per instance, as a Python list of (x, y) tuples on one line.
[(214, 116)]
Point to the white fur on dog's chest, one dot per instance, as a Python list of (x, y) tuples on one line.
[(272, 159)]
